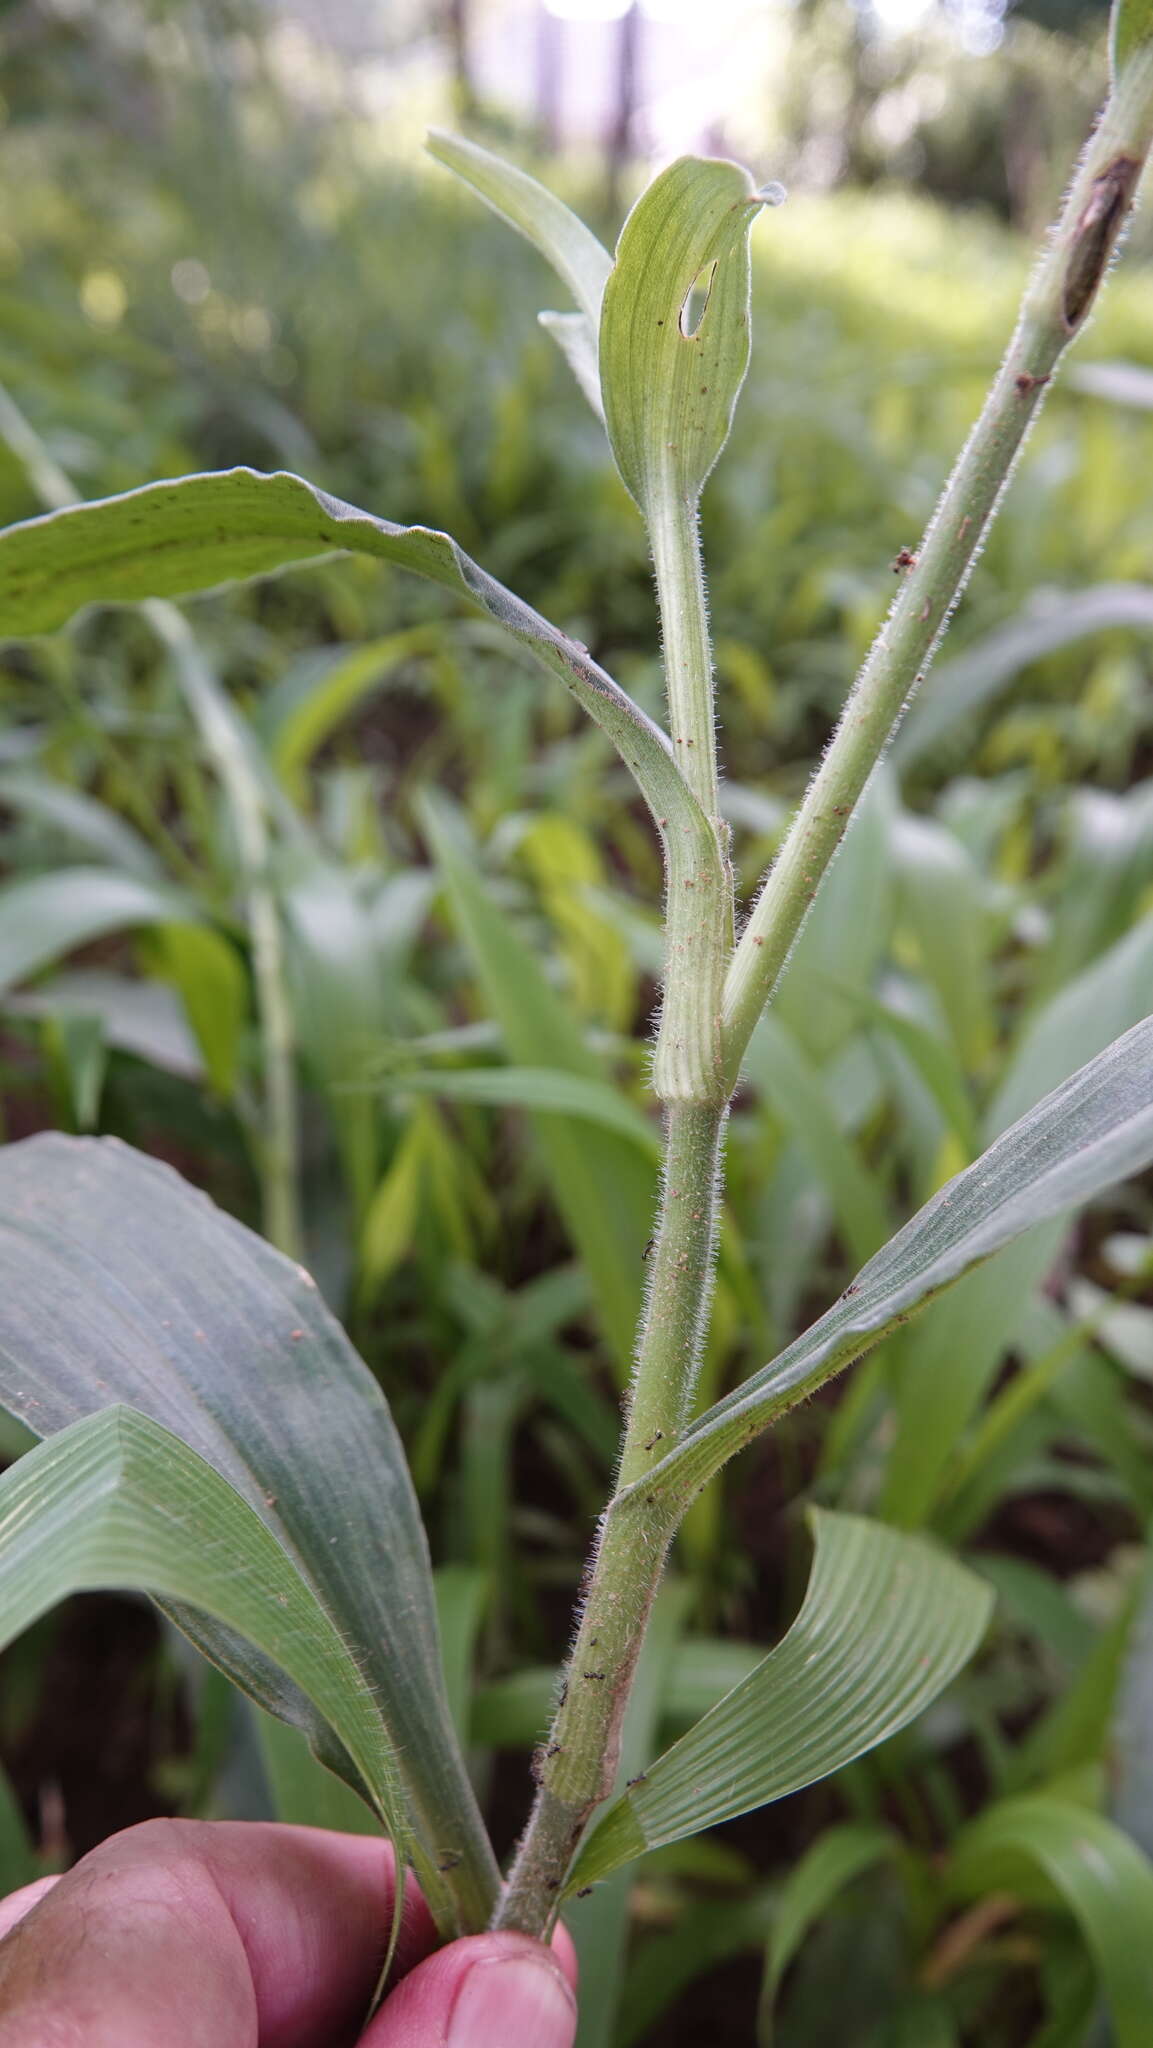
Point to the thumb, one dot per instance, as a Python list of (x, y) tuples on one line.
[(486, 1991)]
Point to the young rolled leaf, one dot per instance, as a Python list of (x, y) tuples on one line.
[(886, 1622), (117, 1502), (578, 258), (670, 385), (118, 1283), (580, 261), (1099, 1874), (1096, 1128)]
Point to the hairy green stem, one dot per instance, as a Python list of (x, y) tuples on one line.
[(1055, 308), (688, 663), (577, 1767)]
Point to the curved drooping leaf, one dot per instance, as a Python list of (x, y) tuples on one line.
[(1094, 1129), (116, 1502), (168, 539), (1103, 1879), (886, 1622), (669, 388), (118, 1283), (45, 916)]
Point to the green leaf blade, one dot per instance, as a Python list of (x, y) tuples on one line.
[(1093, 1130), (119, 1284), (886, 1622), (115, 1501)]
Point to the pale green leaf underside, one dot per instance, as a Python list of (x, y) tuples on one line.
[(119, 1283), (1093, 1130), (1102, 1877), (886, 1622), (118, 1502), (669, 395)]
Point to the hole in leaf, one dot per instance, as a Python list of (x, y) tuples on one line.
[(696, 303)]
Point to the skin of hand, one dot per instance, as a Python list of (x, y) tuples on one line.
[(222, 1934)]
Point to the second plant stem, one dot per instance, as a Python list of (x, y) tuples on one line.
[(577, 1767)]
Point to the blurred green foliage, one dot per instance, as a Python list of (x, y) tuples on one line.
[(197, 270)]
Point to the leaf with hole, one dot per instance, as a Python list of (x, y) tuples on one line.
[(671, 373)]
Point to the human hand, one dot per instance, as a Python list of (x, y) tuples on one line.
[(225, 1934)]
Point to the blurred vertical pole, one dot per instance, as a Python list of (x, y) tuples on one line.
[(456, 23), (548, 79), (620, 136)]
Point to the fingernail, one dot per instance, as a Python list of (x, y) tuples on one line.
[(512, 1997)]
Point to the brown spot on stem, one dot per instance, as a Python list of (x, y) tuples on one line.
[(1094, 237)]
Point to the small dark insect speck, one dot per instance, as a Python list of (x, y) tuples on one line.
[(905, 560)]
